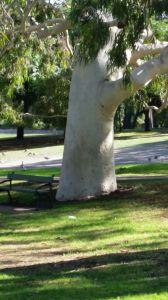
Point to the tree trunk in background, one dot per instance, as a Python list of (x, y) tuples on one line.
[(127, 122), (20, 129), (20, 132), (147, 121)]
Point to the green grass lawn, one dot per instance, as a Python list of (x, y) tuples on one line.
[(155, 169), (134, 138), (50, 171), (111, 248), (151, 169)]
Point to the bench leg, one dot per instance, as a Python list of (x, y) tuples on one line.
[(10, 197), (44, 200), (37, 197)]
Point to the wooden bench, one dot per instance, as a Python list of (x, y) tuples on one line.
[(38, 185)]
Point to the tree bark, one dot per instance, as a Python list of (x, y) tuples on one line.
[(88, 164)]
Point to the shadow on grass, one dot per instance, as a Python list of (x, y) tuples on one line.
[(133, 194), (97, 277), (10, 144), (140, 135)]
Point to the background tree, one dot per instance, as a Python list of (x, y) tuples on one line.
[(51, 96), (39, 71)]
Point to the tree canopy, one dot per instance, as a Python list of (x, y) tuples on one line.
[(92, 20), (27, 52)]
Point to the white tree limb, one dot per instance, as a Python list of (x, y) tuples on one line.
[(153, 107), (7, 15), (143, 50), (146, 34), (67, 41), (27, 11), (54, 30), (140, 77), (62, 26), (48, 26)]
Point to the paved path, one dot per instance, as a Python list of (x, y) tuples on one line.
[(130, 155), (146, 153), (139, 154), (13, 209)]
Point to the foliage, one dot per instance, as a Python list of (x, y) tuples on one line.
[(30, 60), (160, 28), (51, 96), (40, 64), (38, 60), (88, 20)]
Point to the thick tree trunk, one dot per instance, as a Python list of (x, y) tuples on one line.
[(88, 166)]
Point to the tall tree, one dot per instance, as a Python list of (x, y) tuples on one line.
[(116, 54), (28, 67)]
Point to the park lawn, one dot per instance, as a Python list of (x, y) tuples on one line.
[(134, 138), (150, 169), (155, 169), (108, 248)]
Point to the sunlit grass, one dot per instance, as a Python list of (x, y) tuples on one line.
[(112, 248), (151, 169), (130, 139), (109, 248)]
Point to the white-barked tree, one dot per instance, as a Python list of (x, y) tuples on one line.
[(114, 52)]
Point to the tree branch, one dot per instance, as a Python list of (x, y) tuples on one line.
[(47, 25), (143, 50), (67, 41), (140, 77), (29, 7), (6, 15), (57, 29)]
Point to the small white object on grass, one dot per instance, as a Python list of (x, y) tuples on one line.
[(71, 217)]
